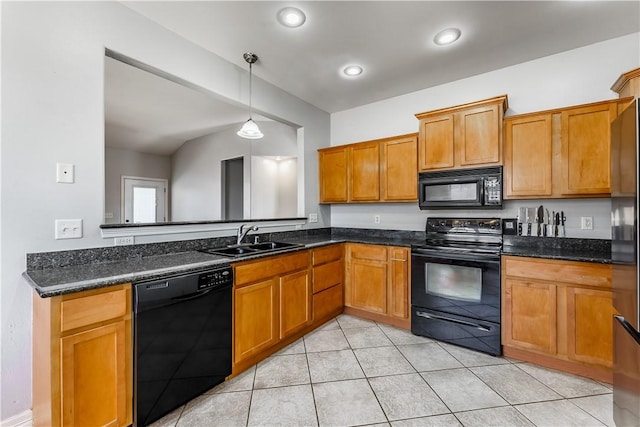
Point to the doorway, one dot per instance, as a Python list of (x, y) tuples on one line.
[(144, 200), (233, 188)]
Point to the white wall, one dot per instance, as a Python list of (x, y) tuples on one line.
[(196, 185), (52, 111), (119, 163), (575, 77)]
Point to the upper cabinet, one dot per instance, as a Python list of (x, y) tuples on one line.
[(628, 84), (468, 135), (382, 170), (560, 153)]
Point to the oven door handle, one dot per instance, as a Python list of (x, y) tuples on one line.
[(449, 319)]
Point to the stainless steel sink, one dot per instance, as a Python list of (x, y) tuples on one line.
[(269, 246), (250, 249)]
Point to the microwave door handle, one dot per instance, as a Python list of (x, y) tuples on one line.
[(449, 319)]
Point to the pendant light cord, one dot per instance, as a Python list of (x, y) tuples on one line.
[(250, 90)]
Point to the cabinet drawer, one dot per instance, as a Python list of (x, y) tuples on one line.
[(328, 302), (580, 273), (371, 252), (327, 275), (78, 312), (327, 254), (252, 271)]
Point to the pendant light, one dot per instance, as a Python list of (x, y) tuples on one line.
[(250, 129)]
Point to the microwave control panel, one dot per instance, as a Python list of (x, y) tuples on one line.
[(493, 190)]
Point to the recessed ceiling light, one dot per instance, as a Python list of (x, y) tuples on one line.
[(291, 17), (352, 70), (447, 36)]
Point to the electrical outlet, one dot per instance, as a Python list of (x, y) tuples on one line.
[(376, 219), (313, 217), (121, 241), (586, 223), (68, 229)]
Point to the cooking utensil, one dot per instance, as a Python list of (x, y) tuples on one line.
[(531, 213), (522, 216), (547, 221), (540, 219), (556, 221), (562, 220)]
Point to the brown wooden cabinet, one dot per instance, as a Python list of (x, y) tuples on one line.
[(382, 170), (272, 301), (82, 358), (628, 84), (364, 176), (399, 168), (399, 274), (528, 156), (328, 282), (333, 174), (377, 283), (560, 153), (468, 135), (558, 314)]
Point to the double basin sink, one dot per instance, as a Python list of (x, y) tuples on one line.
[(251, 249)]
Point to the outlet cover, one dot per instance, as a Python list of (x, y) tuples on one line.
[(120, 241), (313, 217), (586, 223), (376, 219)]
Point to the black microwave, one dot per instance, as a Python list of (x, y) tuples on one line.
[(479, 188)]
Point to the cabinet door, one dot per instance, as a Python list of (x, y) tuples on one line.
[(479, 135), (586, 135), (399, 169), (399, 259), (328, 303), (255, 318), (295, 302), (95, 384), (364, 174), (528, 156), (333, 174), (366, 284), (436, 139), (590, 326), (529, 315)]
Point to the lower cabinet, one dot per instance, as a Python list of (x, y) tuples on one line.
[(82, 358), (328, 282), (377, 282), (272, 300), (558, 314)]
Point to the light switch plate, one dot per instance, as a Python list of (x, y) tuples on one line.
[(68, 229), (64, 173)]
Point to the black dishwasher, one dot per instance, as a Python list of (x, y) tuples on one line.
[(182, 340)]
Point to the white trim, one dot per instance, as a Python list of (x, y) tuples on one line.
[(152, 230), (22, 419)]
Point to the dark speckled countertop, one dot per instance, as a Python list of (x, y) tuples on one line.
[(584, 250), (57, 273)]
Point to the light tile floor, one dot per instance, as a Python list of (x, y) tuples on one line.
[(354, 372)]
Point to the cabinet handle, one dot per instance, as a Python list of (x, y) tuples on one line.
[(398, 259)]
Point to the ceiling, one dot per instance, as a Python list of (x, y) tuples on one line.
[(391, 40)]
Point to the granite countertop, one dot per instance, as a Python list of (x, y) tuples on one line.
[(58, 273), (583, 250)]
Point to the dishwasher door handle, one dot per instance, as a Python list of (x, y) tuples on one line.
[(449, 319), (193, 295)]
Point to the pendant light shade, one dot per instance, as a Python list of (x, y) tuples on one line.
[(250, 129)]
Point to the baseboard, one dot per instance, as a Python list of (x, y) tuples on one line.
[(22, 419)]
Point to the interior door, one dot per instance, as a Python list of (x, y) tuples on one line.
[(144, 200)]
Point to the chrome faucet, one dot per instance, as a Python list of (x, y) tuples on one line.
[(242, 232)]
